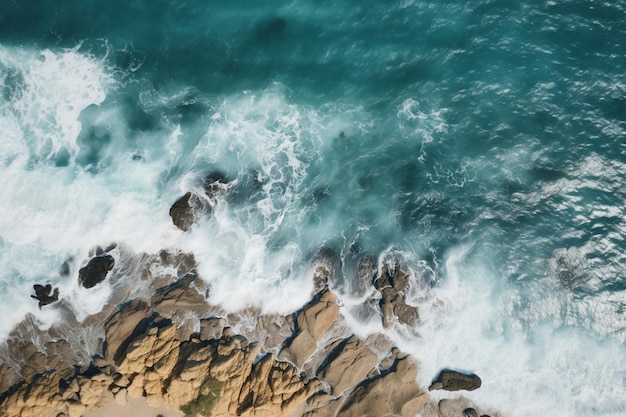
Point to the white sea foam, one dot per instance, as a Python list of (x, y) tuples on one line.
[(50, 89), (50, 213), (526, 370), (236, 249)]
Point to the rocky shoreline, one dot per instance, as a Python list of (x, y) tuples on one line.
[(175, 349)]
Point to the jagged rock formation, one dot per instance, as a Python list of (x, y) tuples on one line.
[(197, 363), (393, 283), (45, 295)]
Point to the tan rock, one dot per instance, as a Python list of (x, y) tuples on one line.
[(349, 362), (394, 393), (76, 409), (121, 380), (92, 389), (315, 319), (135, 389), (132, 318), (8, 377), (121, 396), (211, 328), (273, 389), (180, 296)]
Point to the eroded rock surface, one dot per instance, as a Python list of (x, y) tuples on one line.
[(393, 283), (197, 362)]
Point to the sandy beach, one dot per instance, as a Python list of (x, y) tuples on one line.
[(134, 407)]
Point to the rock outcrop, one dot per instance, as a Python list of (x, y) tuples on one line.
[(450, 380), (96, 270), (392, 283), (310, 323), (198, 363), (45, 295), (183, 211)]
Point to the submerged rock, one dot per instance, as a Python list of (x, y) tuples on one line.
[(214, 183), (450, 380), (95, 271), (45, 295)]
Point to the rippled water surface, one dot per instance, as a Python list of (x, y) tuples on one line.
[(482, 144)]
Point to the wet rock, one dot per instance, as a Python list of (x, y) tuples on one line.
[(45, 295), (455, 407), (65, 269), (214, 183), (183, 211), (470, 412), (211, 328), (96, 270), (450, 380), (310, 324), (326, 268), (393, 283), (181, 295)]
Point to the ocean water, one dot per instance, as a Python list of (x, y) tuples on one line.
[(482, 144)]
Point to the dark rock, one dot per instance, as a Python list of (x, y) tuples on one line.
[(215, 183), (98, 250), (65, 270), (455, 381), (470, 412), (392, 284), (183, 211), (95, 271), (45, 295)]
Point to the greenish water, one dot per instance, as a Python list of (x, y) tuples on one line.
[(481, 143)]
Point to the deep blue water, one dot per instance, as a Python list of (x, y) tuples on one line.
[(481, 143)]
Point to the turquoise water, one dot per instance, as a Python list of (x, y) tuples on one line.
[(481, 143)]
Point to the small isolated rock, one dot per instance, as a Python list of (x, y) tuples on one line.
[(455, 381), (183, 211), (470, 412), (95, 271), (45, 295)]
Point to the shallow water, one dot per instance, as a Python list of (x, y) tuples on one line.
[(481, 144)]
